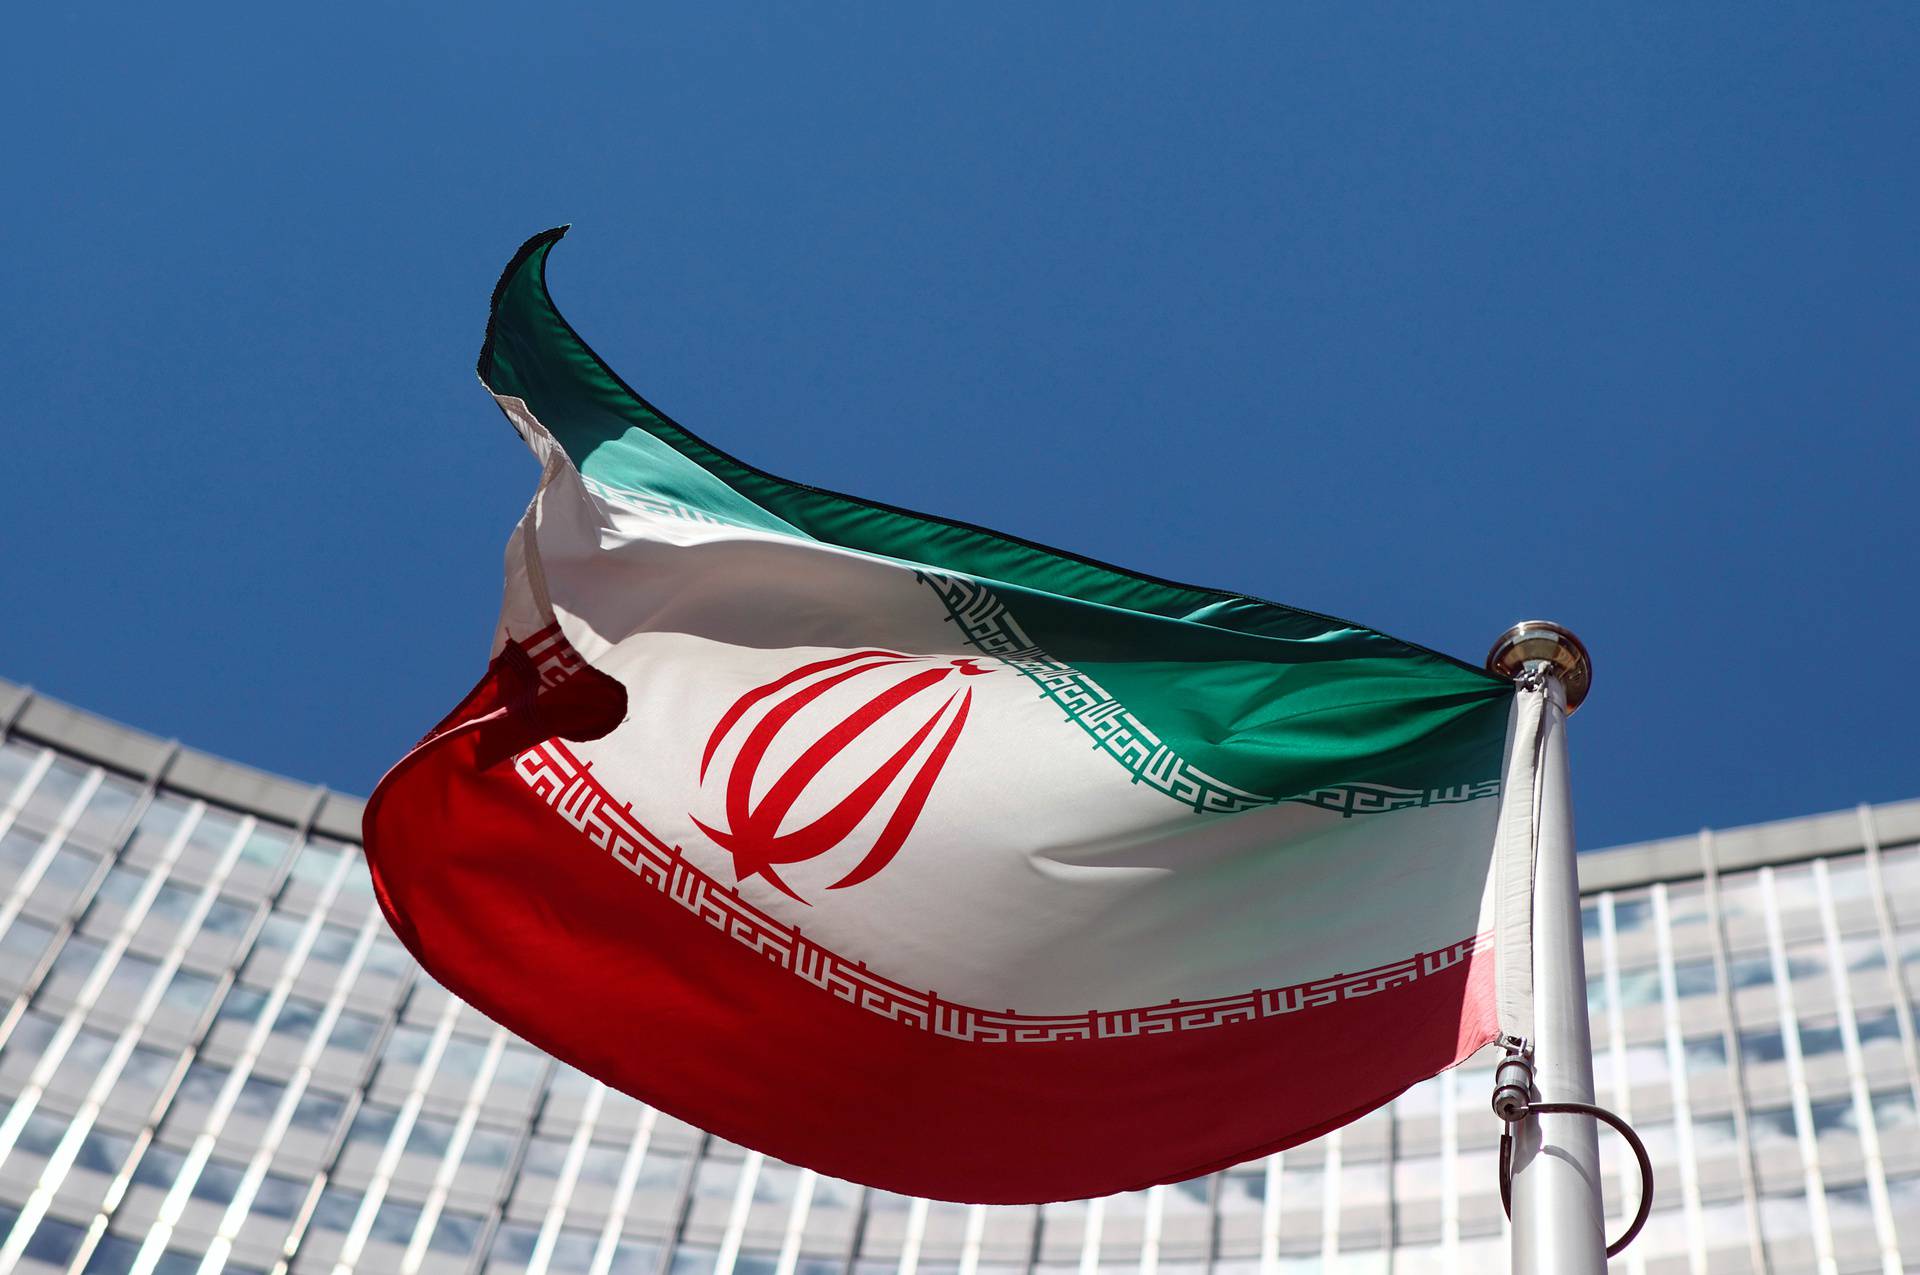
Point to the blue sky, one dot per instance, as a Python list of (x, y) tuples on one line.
[(1434, 319)]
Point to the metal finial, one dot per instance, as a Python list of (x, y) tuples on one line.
[(1543, 641)]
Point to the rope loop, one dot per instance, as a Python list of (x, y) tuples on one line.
[(1512, 1083)]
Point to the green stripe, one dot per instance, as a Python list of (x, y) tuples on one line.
[(1276, 700)]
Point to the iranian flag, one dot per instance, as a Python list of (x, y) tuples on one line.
[(931, 858)]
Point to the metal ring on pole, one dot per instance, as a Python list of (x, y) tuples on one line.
[(1624, 1129)]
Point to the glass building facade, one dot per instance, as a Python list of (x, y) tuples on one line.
[(214, 1057)]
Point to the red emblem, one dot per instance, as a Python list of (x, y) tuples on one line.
[(754, 834)]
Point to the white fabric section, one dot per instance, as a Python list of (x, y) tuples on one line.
[(1514, 851), (1038, 877)]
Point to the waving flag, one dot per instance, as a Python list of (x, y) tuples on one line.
[(931, 858)]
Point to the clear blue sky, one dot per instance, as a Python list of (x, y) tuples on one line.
[(1434, 319)]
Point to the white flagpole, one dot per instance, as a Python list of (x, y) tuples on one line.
[(1558, 1218)]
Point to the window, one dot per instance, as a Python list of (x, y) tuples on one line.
[(103, 1152), (395, 1222), (22, 944), (54, 1241), (158, 1167), (158, 825), (266, 846), (56, 789), (242, 1004), (430, 1138), (226, 917), (353, 1032), (456, 1233), (336, 1209), (215, 831), (107, 811), (1763, 1046), (42, 1133), (189, 993), (279, 1196), (1705, 1054), (1695, 978), (259, 1097), (217, 1182), (1819, 1038), (319, 1111), (1631, 914)]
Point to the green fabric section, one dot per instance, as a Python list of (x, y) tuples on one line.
[(1279, 716), (1266, 697)]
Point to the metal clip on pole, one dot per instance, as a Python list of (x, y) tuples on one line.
[(1513, 1102)]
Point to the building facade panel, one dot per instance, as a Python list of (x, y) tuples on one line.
[(214, 1056)]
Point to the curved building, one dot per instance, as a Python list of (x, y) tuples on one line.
[(215, 1057)]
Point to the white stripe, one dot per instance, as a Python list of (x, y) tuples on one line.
[(1636, 1263), (1883, 1228), (1797, 1079), (743, 1205), (1330, 1203), (569, 1174), (797, 1228), (1089, 1237), (1677, 1079), (623, 1195), (1152, 1224), (1270, 1217)]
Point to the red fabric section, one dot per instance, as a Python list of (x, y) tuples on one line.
[(512, 909)]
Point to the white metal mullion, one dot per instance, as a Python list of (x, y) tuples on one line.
[(1797, 1079), (1883, 1228), (1089, 1237), (1617, 1050), (569, 1174), (81, 1124), (623, 1196), (175, 1203), (23, 793), (1150, 1228), (737, 1219), (376, 1194), (50, 845), (969, 1242), (1904, 996), (296, 1089), (1330, 1203), (1677, 1079), (911, 1240), (1270, 1217), (797, 1228), (442, 1184), (1736, 1065)]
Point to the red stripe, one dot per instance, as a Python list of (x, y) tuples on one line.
[(510, 907)]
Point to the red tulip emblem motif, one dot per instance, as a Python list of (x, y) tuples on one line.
[(906, 695)]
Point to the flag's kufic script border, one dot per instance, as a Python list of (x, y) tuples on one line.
[(992, 629), (567, 786)]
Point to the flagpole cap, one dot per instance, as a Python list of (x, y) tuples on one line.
[(1544, 642)]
